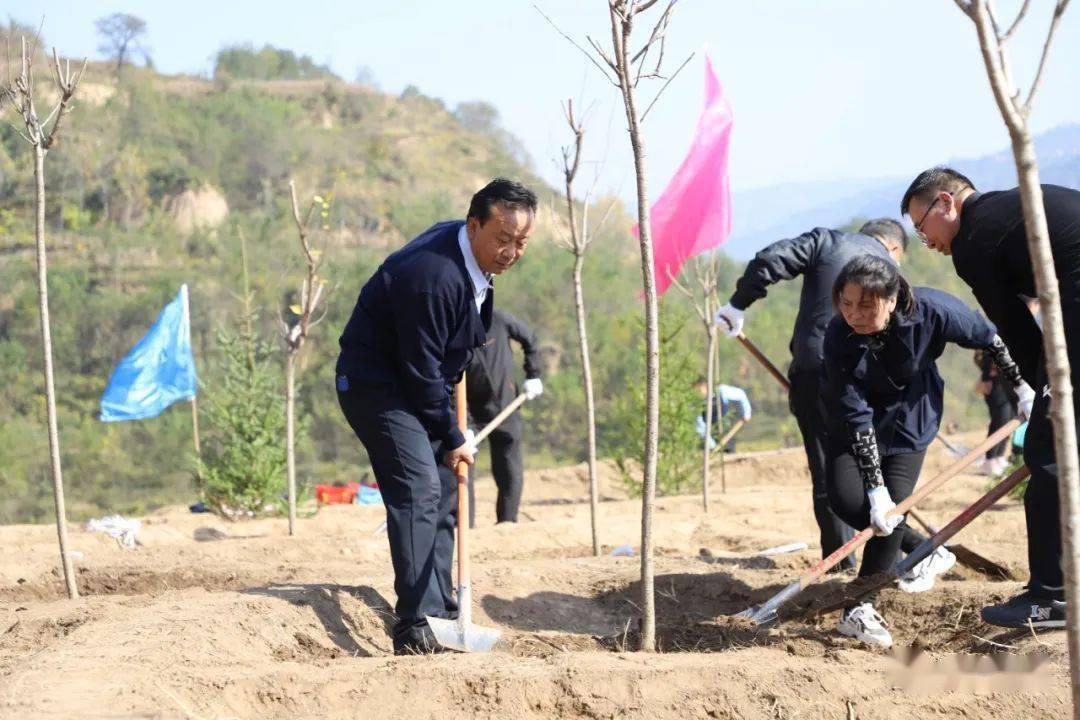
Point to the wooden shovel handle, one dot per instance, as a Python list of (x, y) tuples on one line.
[(462, 471), (766, 362), (907, 503)]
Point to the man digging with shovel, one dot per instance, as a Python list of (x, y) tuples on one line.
[(413, 331)]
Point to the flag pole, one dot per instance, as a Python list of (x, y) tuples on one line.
[(195, 427)]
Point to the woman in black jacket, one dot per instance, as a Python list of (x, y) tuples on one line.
[(884, 397)]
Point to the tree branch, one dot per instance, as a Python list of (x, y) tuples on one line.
[(1059, 10), (664, 87), (574, 43), (1016, 23), (965, 6)]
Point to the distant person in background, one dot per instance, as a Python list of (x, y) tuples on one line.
[(1001, 402), (730, 404), (817, 257), (490, 386)]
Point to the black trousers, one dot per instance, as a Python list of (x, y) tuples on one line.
[(1042, 507), (848, 498), (420, 495), (507, 468), (1001, 402), (806, 405)]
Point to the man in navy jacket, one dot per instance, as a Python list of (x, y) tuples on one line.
[(985, 236), (411, 336)]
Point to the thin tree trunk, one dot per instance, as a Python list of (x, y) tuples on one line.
[(1054, 346), (50, 386), (590, 407), (1059, 375), (290, 450), (652, 339), (706, 453)]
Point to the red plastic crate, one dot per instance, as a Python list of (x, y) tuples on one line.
[(336, 494)]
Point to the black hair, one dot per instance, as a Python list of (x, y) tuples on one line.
[(930, 182), (501, 191), (886, 229), (877, 276)]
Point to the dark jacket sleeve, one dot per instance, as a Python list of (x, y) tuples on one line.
[(525, 337), (1014, 321), (843, 394), (783, 260), (958, 323), (422, 324), (986, 366)]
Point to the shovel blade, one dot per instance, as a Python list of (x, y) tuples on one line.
[(759, 615), (463, 637)]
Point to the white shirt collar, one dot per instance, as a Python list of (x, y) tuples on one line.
[(480, 281)]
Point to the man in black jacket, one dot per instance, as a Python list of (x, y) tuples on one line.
[(490, 388), (412, 333), (818, 256), (984, 233)]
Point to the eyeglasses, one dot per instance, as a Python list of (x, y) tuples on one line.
[(918, 225)]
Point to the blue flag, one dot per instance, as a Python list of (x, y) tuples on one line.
[(158, 371)]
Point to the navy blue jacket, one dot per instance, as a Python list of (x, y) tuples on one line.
[(817, 255), (415, 326), (890, 380)]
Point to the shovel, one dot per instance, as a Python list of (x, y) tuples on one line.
[(967, 556), (461, 634), (481, 436), (767, 611), (957, 451), (926, 547)]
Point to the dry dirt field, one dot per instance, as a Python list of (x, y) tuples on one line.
[(211, 619)]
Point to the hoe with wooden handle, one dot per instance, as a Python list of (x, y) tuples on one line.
[(767, 611)]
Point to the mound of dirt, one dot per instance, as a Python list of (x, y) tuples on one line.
[(214, 619)]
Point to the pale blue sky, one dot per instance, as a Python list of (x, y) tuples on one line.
[(821, 90)]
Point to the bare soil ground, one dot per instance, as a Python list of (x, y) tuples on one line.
[(212, 619)]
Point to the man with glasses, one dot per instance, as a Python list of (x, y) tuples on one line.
[(816, 255), (985, 236)]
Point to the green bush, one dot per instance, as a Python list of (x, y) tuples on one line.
[(243, 466)]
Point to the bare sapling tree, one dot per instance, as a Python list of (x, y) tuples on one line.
[(1016, 112), (704, 275), (577, 242), (42, 135), (294, 334), (625, 68)]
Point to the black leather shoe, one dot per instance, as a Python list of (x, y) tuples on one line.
[(418, 640)]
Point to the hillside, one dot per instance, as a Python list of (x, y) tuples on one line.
[(156, 179)]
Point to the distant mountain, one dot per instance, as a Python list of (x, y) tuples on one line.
[(767, 214)]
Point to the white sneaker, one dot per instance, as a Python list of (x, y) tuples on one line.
[(921, 577), (863, 623)]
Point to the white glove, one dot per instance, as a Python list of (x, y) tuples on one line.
[(880, 504), (470, 440), (533, 388), (730, 320), (1025, 399)]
